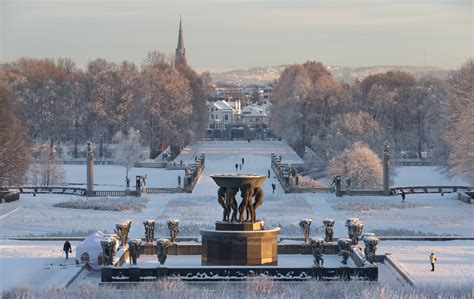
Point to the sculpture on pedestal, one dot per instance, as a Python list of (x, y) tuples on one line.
[(173, 226), (354, 229), (249, 186), (370, 248), (344, 249), (162, 249), (305, 226), (317, 251), (329, 229), (122, 229), (134, 250), (149, 230), (108, 250)]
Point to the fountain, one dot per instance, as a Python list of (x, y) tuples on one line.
[(235, 241)]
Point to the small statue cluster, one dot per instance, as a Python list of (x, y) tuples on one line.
[(122, 230), (370, 248), (317, 251), (344, 249), (162, 249), (354, 229), (227, 200), (134, 250), (305, 226), (173, 226), (329, 229), (108, 250), (149, 230)]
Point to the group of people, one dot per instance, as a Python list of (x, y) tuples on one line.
[(239, 165)]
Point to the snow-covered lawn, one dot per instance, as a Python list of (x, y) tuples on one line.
[(455, 260), (112, 177), (35, 264), (422, 213)]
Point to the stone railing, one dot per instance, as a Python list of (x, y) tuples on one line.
[(428, 189), (402, 162), (283, 173), (193, 173)]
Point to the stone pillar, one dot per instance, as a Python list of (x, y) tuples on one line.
[(90, 170), (386, 169)]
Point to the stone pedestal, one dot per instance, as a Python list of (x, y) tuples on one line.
[(234, 243)]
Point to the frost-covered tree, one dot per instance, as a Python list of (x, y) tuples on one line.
[(47, 169), (165, 105), (459, 114), (348, 128), (305, 101), (359, 164), (15, 143), (128, 150)]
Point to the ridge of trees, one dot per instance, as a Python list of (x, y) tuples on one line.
[(56, 98), (426, 115)]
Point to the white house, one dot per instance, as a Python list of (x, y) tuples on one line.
[(223, 113)]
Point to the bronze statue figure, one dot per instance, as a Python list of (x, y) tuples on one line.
[(305, 226), (122, 229), (173, 226), (317, 251), (108, 250), (134, 250), (329, 229), (149, 230), (162, 249), (344, 249)]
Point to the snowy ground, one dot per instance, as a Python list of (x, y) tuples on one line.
[(422, 214), (112, 177)]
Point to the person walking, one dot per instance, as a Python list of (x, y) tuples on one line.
[(67, 248), (236, 166), (432, 261), (240, 166), (403, 196), (269, 173), (273, 187), (243, 161)]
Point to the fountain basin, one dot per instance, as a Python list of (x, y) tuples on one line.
[(237, 180)]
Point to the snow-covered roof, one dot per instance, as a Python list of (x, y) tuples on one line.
[(253, 111), (222, 105)]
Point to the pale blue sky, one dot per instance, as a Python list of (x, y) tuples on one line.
[(228, 34)]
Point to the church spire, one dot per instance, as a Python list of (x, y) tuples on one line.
[(180, 56)]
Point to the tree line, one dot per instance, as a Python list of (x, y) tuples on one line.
[(418, 117), (55, 98)]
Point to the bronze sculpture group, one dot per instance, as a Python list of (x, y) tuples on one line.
[(227, 200)]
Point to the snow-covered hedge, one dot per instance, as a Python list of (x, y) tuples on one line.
[(135, 204), (372, 204)]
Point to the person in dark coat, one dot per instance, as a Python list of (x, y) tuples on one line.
[(273, 187), (269, 173), (236, 166), (403, 196), (67, 248), (243, 161)]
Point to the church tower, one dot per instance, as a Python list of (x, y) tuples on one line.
[(180, 56)]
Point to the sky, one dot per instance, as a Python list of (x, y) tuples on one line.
[(234, 34)]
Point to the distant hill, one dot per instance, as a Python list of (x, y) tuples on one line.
[(262, 75)]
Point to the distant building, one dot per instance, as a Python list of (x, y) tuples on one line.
[(223, 114), (180, 56)]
